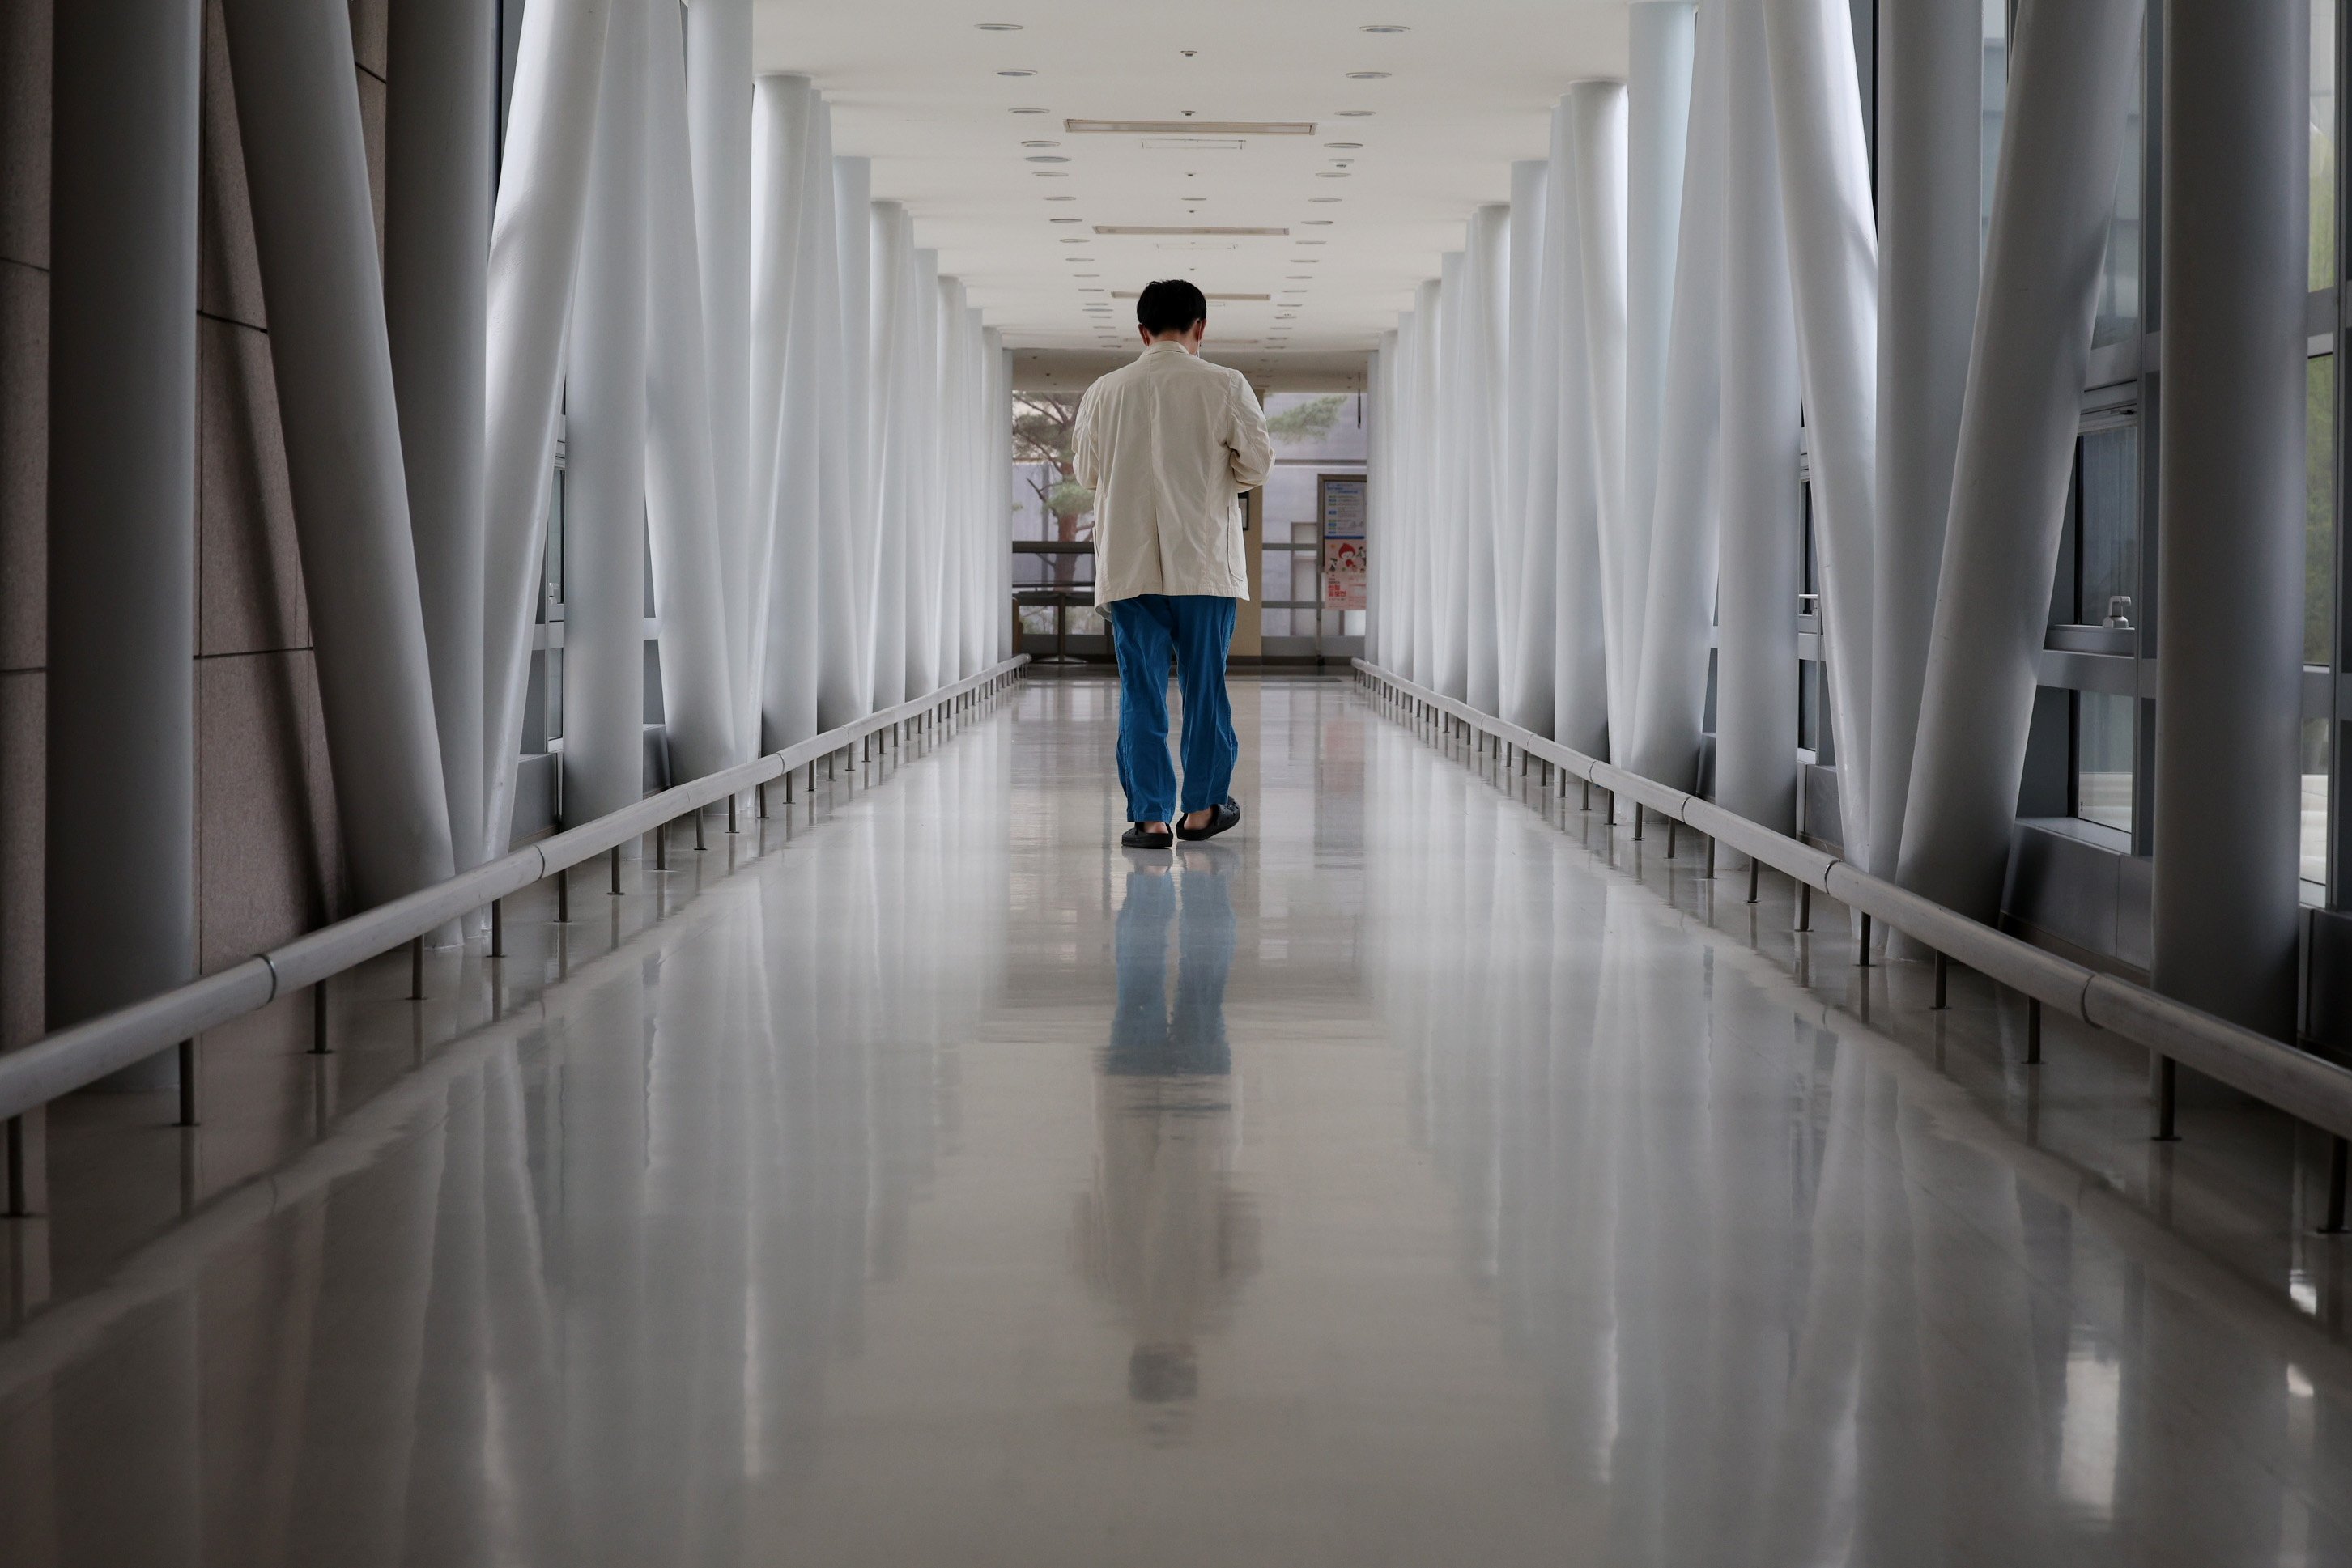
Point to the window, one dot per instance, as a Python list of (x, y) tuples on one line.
[(2107, 536), (2103, 758), (2322, 143), (2118, 314)]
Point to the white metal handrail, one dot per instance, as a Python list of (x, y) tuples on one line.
[(2294, 1080), (73, 1058)]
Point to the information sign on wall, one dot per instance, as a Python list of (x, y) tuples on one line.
[(1339, 498)]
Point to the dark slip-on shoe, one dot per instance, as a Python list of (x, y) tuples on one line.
[(1139, 837), (1225, 815)]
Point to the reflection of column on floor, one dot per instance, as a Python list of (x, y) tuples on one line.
[(1249, 622), (1164, 1233)]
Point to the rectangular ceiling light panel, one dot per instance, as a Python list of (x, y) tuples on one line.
[(1182, 229), (1190, 127)]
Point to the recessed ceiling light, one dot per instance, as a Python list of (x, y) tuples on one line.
[(1057, 144), (1078, 258), (1090, 291), (1330, 174), (1182, 229), (1366, 27), (1033, 111), (1044, 157), (1016, 71), (1190, 128), (1348, 113), (1298, 275), (1064, 220), (1051, 174), (1074, 242), (1313, 224), (1061, 198), (1339, 146), (1015, 27), (1312, 241), (1353, 76)]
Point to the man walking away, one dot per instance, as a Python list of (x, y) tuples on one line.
[(1167, 443)]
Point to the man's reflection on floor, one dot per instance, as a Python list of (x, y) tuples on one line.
[(1164, 1233)]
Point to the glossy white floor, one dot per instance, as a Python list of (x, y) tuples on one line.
[(1428, 1175)]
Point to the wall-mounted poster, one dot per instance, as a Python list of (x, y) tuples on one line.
[(1339, 498), (1343, 574)]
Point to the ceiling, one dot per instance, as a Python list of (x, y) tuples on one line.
[(917, 87)]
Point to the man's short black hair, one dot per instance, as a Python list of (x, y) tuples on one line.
[(1171, 305)]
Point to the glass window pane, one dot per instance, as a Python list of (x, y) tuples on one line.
[(2319, 510), (2323, 142), (2110, 522), (2314, 800), (1994, 85), (2103, 758), (2118, 317)]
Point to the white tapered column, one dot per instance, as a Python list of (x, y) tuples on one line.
[(1531, 428), (719, 120), (1762, 548), (604, 452), (1930, 192), (682, 517), (999, 530), (853, 219), (952, 449), (2231, 535), (121, 537), (1670, 685), (841, 694), (1833, 262), (1595, 137), (1478, 432), (893, 259), (1379, 474), (437, 168), (314, 233), (1429, 624), (925, 535), (1663, 46), (2070, 80), (787, 427), (1449, 527), (535, 239)]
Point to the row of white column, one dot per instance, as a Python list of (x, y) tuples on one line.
[(771, 387), (1591, 428), (772, 407)]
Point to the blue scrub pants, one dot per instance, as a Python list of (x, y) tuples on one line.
[(1197, 628)]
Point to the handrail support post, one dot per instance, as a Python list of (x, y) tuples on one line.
[(2166, 1085), (191, 1084), (2339, 1167)]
